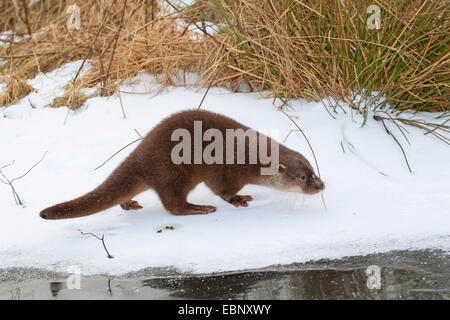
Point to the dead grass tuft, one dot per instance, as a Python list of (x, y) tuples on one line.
[(15, 89), (73, 98)]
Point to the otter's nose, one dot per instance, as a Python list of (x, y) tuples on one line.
[(320, 186)]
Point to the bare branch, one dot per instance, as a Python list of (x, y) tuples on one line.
[(15, 194), (43, 156), (17, 198), (102, 239)]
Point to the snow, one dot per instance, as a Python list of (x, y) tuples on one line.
[(367, 212)]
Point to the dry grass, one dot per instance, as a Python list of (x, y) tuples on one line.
[(315, 49), (309, 49), (15, 89), (73, 98), (117, 44)]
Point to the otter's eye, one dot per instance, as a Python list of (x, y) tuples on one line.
[(302, 178)]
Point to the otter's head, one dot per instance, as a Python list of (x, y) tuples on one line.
[(297, 175)]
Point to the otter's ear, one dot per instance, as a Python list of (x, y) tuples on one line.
[(281, 167)]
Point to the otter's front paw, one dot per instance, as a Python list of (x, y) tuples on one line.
[(131, 205)]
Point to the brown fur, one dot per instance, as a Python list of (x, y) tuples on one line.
[(150, 166)]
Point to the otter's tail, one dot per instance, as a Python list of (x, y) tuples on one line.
[(120, 187)]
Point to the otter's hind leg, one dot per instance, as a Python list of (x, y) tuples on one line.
[(174, 200), (189, 208), (179, 206)]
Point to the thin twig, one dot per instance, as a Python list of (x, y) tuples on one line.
[(109, 288), (395, 139), (42, 158), (102, 239), (437, 127), (396, 124), (91, 46), (423, 125), (204, 96), (121, 105), (306, 138), (138, 133), (17, 198), (342, 145), (116, 37), (185, 29), (310, 146), (118, 152), (287, 136)]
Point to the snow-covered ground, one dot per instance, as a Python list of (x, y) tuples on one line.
[(367, 211)]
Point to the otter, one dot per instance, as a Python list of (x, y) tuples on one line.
[(151, 166)]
